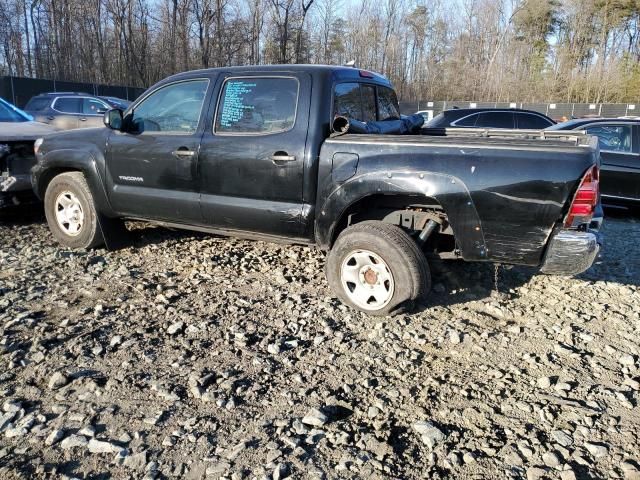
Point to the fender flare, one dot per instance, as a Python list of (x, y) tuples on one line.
[(73, 160), (449, 191)]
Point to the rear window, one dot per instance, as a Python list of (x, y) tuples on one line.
[(535, 122), (257, 105), (388, 107), (37, 104), (68, 105)]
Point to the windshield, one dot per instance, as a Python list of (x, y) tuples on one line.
[(10, 114)]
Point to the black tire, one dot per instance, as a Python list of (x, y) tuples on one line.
[(407, 263), (89, 234)]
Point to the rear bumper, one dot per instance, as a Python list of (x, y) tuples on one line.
[(571, 252)]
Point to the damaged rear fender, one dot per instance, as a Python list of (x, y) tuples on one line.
[(450, 192)]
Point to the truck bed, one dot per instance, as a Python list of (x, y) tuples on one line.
[(519, 184)]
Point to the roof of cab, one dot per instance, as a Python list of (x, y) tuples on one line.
[(336, 71)]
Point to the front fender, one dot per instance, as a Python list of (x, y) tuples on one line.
[(89, 162), (450, 192)]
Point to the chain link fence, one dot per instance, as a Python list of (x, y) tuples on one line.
[(19, 90), (557, 111)]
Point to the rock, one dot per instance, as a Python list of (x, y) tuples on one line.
[(315, 418), (455, 337), (627, 360), (6, 419), (469, 457), (73, 441), (137, 461), (281, 471), (544, 382), (562, 438), (101, 446), (551, 459), (597, 449), (535, 473), (430, 434), (630, 470), (567, 474), (54, 437), (175, 328), (58, 380), (237, 450)]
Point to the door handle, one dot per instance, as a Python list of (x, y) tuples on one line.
[(83, 119), (183, 153), (283, 157)]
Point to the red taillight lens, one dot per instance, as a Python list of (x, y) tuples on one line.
[(585, 200)]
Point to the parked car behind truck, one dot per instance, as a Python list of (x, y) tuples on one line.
[(619, 142), (249, 153), (68, 110)]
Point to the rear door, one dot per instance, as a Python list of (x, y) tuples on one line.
[(252, 159), (495, 120), (152, 166), (620, 158)]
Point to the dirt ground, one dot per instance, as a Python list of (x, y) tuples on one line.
[(195, 356)]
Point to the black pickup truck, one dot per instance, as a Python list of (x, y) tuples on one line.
[(250, 151)]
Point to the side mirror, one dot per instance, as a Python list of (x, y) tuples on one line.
[(113, 119)]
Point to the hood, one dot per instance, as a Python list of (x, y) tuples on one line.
[(11, 131)]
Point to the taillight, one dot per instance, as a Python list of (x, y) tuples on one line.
[(585, 200)]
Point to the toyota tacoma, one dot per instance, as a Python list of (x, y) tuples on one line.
[(252, 152)]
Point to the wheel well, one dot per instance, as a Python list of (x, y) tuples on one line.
[(49, 175), (411, 212)]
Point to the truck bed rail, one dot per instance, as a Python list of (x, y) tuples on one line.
[(578, 137)]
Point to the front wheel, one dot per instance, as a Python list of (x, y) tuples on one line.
[(71, 213), (377, 267)]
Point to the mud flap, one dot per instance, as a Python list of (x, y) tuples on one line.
[(114, 233)]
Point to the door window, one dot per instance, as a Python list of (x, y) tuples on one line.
[(388, 108), (174, 108), (91, 106), (68, 105), (469, 121), (257, 105), (495, 120), (531, 121), (612, 138)]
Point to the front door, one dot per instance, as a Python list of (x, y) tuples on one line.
[(92, 113), (620, 160), (252, 159), (152, 164)]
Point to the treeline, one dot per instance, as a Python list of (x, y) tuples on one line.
[(496, 50)]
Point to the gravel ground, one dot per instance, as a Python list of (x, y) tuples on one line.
[(196, 356)]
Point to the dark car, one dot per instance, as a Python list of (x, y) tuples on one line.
[(116, 102), (250, 151), (18, 133), (619, 141), (68, 110), (512, 119)]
